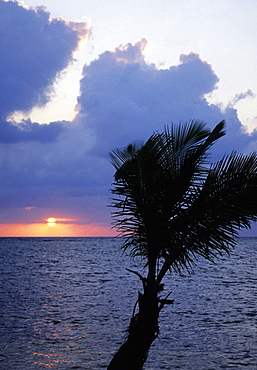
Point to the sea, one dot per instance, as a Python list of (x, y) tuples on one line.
[(65, 303)]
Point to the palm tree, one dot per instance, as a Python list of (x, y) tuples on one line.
[(172, 204)]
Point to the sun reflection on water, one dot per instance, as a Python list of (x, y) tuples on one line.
[(49, 359)]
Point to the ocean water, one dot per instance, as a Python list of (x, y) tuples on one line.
[(66, 302)]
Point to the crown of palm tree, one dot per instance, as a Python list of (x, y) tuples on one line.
[(172, 204)]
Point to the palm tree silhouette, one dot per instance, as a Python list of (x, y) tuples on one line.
[(171, 204)]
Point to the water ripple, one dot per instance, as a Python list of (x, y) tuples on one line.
[(65, 303)]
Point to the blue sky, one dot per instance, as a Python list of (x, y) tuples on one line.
[(79, 79)]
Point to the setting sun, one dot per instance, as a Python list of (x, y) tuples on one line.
[(51, 221)]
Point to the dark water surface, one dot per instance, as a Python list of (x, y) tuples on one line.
[(65, 302)]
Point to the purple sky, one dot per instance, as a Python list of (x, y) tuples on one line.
[(62, 167)]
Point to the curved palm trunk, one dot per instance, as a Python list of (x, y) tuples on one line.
[(142, 331)]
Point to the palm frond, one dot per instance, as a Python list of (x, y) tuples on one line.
[(172, 205), (226, 202), (119, 156)]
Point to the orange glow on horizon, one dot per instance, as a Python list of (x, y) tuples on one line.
[(59, 230)]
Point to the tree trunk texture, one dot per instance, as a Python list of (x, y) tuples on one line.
[(142, 331)]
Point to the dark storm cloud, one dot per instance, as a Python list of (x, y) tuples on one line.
[(28, 131), (34, 49)]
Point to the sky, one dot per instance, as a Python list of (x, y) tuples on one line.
[(80, 78)]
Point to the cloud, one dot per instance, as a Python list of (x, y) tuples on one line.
[(28, 131), (241, 96), (34, 49), (123, 98), (64, 167), (29, 208), (55, 177)]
